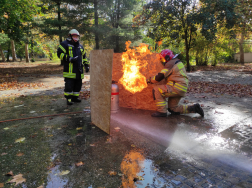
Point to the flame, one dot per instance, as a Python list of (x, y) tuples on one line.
[(131, 165), (132, 59)]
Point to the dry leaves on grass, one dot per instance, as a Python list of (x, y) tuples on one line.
[(231, 89), (65, 172), (112, 173), (19, 85), (20, 140), (18, 179), (227, 66), (84, 94), (20, 154), (79, 164)]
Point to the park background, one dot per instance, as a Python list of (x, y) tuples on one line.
[(203, 32)]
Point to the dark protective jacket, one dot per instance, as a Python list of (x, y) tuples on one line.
[(69, 49)]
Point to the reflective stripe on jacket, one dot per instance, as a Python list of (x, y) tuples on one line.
[(175, 74), (72, 70)]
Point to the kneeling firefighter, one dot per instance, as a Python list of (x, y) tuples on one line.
[(176, 87), (73, 55)]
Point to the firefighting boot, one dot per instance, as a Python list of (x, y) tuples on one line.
[(196, 109), (159, 114), (69, 102), (75, 99)]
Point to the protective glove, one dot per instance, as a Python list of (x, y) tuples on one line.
[(86, 67), (148, 80), (73, 59)]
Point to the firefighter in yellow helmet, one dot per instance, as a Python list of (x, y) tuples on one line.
[(175, 88), (73, 55)]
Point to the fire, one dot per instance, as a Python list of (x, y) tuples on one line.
[(133, 80), (131, 165)]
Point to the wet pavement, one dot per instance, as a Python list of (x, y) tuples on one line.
[(58, 146)]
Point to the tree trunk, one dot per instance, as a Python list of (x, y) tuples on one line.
[(117, 48), (14, 58), (60, 36), (96, 25), (8, 53), (2, 54), (32, 50), (27, 54), (197, 58), (188, 66), (241, 48)]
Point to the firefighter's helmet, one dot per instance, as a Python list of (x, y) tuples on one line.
[(166, 55), (74, 35)]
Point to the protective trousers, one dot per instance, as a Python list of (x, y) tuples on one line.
[(161, 92), (72, 87)]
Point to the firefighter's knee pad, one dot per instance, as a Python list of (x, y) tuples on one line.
[(172, 112)]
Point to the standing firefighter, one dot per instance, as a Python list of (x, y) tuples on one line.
[(73, 56), (176, 87)]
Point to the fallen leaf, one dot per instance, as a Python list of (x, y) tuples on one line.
[(132, 145), (112, 173), (32, 112), (79, 164), (17, 179), (117, 128), (109, 140), (4, 154), (20, 154), (79, 134), (1, 185), (140, 178), (6, 128), (78, 128), (65, 172), (41, 186), (20, 140), (92, 144), (9, 174)]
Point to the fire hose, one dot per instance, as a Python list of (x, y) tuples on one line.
[(41, 116)]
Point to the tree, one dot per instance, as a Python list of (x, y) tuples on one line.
[(171, 19), (243, 26), (13, 14), (179, 20), (3, 39)]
